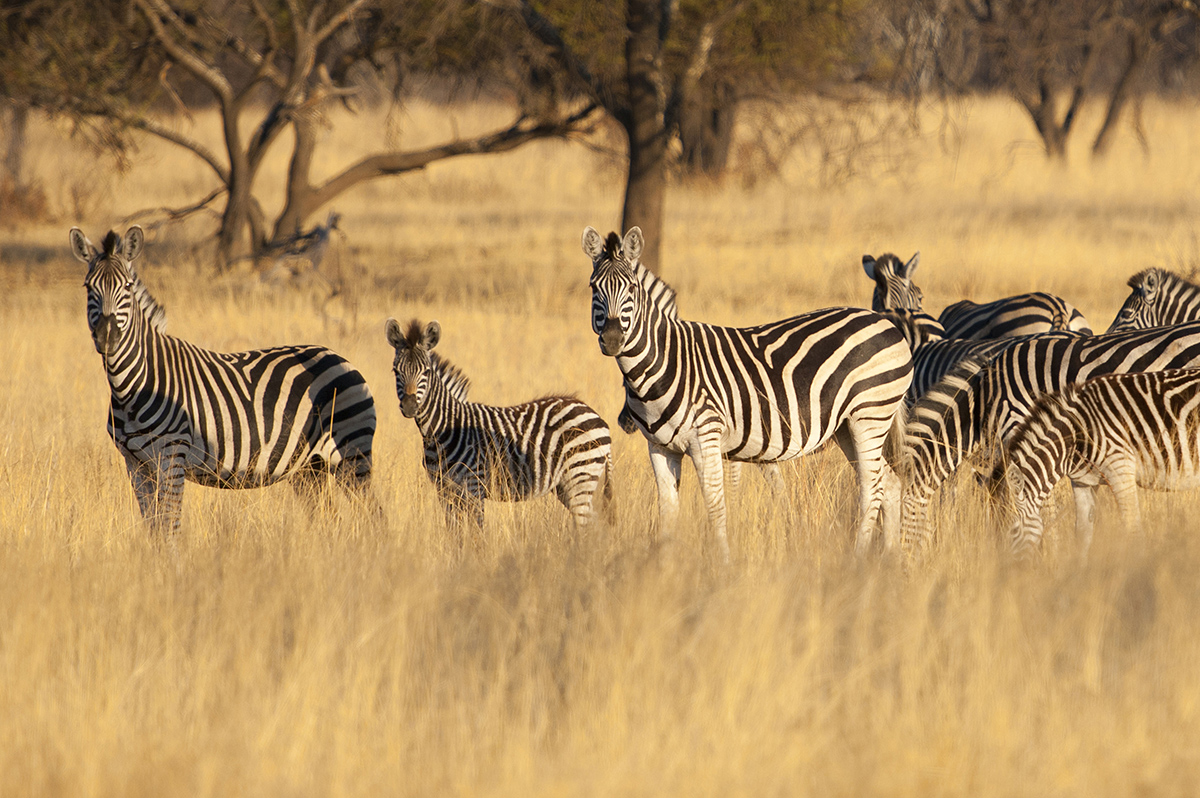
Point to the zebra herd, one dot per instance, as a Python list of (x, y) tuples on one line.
[(906, 396)]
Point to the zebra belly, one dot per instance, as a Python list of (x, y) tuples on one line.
[(1154, 475)]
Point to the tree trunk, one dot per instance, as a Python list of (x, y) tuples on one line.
[(1053, 135), (1118, 98), (706, 130), (14, 146), (300, 193), (645, 186)]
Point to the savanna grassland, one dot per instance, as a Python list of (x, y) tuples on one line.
[(288, 652)]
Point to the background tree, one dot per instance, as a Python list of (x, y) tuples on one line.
[(678, 68), (267, 66)]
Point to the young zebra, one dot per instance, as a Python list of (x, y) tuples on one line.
[(475, 452), (757, 394), (1159, 298), (894, 288), (976, 406), (1127, 429), (222, 420)]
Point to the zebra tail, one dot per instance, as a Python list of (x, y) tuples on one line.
[(893, 446), (610, 507)]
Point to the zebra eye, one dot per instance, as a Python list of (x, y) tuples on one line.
[(129, 285)]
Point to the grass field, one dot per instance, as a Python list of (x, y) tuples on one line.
[(292, 654)]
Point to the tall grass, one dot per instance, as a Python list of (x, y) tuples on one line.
[(289, 652)]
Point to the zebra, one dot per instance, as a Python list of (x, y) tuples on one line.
[(475, 452), (894, 288), (756, 394), (933, 354), (1024, 314), (1159, 298), (240, 420), (982, 402), (1127, 429)]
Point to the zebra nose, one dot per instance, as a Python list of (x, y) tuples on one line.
[(105, 335), (408, 403), (611, 337)]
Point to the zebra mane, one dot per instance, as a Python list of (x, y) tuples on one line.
[(1163, 275), (942, 399), (611, 245), (451, 376)]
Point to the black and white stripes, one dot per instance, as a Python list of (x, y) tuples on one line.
[(1128, 430), (756, 394), (1159, 298), (475, 452), (226, 420)]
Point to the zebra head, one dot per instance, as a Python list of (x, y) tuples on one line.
[(110, 283), (413, 364), (1141, 307), (894, 288), (617, 294)]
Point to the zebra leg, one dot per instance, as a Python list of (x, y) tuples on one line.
[(733, 473), (667, 467), (773, 473), (158, 486), (1085, 514), (577, 492), (865, 453), (705, 451)]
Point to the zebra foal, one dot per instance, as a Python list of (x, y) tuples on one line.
[(1128, 430), (240, 420), (475, 452), (756, 394)]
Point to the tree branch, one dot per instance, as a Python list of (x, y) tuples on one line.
[(336, 21), (156, 128), (189, 59), (394, 163)]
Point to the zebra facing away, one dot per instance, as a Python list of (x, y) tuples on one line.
[(237, 420), (475, 452), (894, 288), (756, 394), (1127, 429), (1159, 298)]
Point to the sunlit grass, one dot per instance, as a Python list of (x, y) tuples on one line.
[(287, 652)]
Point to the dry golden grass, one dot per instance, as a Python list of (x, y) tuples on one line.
[(287, 654)]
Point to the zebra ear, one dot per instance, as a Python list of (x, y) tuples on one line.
[(912, 264), (593, 243), (81, 247), (869, 265), (632, 244), (395, 336), (1150, 284), (433, 334), (132, 246)]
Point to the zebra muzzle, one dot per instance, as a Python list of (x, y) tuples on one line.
[(611, 337), (106, 334), (408, 405)]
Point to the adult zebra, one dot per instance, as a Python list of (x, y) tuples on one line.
[(475, 452), (1127, 429), (1024, 314), (1159, 298), (979, 404), (224, 420), (756, 394)]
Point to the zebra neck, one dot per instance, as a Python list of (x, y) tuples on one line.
[(950, 437), (128, 368), (656, 344), (440, 410)]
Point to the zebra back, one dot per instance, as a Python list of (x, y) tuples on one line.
[(894, 288), (1159, 298), (1024, 314)]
